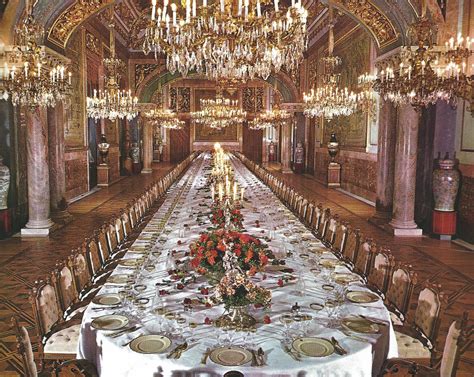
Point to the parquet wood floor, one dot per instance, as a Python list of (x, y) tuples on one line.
[(21, 262)]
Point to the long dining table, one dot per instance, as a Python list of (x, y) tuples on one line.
[(141, 298)]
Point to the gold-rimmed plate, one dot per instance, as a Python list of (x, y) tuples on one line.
[(328, 263), (361, 325), (150, 344), (128, 262), (230, 356), (345, 278), (118, 279), (107, 299), (362, 297), (313, 347), (110, 322)]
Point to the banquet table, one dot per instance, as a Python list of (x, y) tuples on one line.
[(166, 238)]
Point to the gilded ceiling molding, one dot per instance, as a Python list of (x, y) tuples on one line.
[(67, 22), (373, 19)]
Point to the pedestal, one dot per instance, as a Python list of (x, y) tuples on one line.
[(299, 168), (444, 224), (334, 175), (5, 223), (137, 167), (103, 175)]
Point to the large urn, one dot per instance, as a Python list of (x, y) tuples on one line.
[(103, 148), (445, 184), (4, 184), (333, 147)]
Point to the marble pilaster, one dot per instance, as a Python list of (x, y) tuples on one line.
[(286, 148), (57, 172), (39, 221), (147, 147), (403, 213), (387, 136)]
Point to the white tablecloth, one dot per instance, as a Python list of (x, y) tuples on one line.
[(112, 359)]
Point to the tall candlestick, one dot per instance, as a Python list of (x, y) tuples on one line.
[(242, 191)]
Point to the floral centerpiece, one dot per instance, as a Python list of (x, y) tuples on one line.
[(218, 216), (207, 253)]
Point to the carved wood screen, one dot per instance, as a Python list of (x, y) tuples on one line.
[(252, 143)]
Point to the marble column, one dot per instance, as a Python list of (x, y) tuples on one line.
[(147, 147), (57, 171), (387, 136), (265, 147), (39, 222), (403, 213), (127, 162), (286, 148)]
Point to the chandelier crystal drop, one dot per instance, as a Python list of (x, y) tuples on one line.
[(275, 116), (240, 39), (34, 77), (426, 73), (158, 114), (219, 113), (330, 100), (112, 103)]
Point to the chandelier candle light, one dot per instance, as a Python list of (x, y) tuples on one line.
[(219, 113), (243, 40)]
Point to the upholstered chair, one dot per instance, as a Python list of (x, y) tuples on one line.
[(330, 232), (458, 340), (81, 271), (399, 293), (323, 224), (340, 237), (417, 339), (309, 214), (379, 274), (316, 220), (351, 247), (67, 291), (58, 338), (365, 253)]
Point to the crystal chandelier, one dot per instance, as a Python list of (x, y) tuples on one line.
[(427, 73), (219, 113), (112, 102), (275, 116), (258, 124), (330, 100), (173, 123), (366, 100), (158, 115), (226, 38), (35, 78)]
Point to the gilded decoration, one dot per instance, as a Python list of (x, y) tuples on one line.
[(355, 53), (92, 43), (253, 99), (374, 19), (72, 17), (180, 99), (74, 107), (142, 71), (204, 133)]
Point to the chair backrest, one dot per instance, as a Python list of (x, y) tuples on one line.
[(65, 285), (330, 232), (45, 302), (324, 223), (309, 214), (340, 236), (429, 309), (127, 226), (351, 247), (80, 269), (364, 257), (25, 349), (119, 229), (457, 341), (316, 220), (303, 208), (112, 237), (93, 256), (400, 290), (381, 270), (103, 243)]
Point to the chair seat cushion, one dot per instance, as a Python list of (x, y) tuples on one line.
[(411, 348), (64, 341)]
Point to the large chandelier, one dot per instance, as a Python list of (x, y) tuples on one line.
[(275, 116), (173, 123), (366, 100), (426, 73), (330, 100), (219, 113), (243, 39), (35, 78), (112, 102), (158, 114)]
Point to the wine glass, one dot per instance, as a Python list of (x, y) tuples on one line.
[(286, 320)]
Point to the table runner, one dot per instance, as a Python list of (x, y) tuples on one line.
[(187, 203)]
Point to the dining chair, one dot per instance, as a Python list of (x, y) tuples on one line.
[(309, 214), (399, 293), (329, 234), (58, 338), (458, 341), (380, 272), (93, 258), (316, 220), (417, 339), (351, 247), (76, 367), (340, 237), (81, 272), (323, 224), (126, 224), (363, 261)]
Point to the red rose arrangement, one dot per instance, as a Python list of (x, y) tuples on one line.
[(208, 251), (218, 217)]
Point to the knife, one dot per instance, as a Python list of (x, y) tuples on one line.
[(120, 332), (205, 356), (373, 320), (291, 353), (337, 347)]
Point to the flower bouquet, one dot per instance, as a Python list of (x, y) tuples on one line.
[(218, 216)]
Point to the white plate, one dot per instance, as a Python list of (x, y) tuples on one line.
[(150, 344), (107, 299), (230, 356), (110, 322), (362, 297), (313, 347)]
